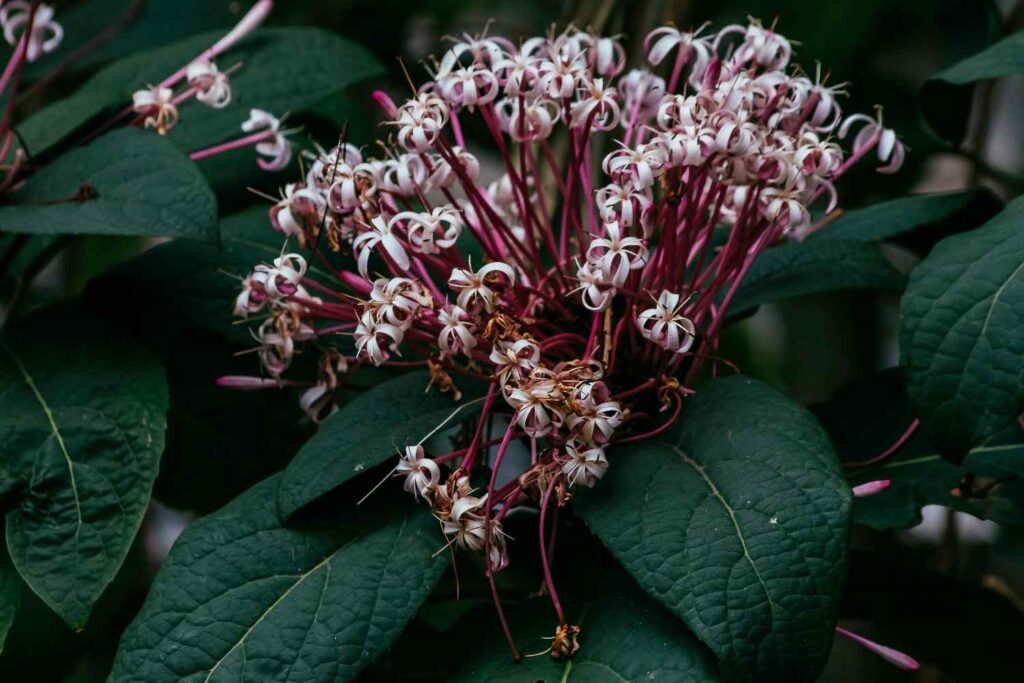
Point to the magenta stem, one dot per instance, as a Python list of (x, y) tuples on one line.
[(544, 552), (907, 433), (247, 141)]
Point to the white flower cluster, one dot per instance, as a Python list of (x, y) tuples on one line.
[(733, 139)]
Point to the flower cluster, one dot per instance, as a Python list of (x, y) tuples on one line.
[(587, 282)]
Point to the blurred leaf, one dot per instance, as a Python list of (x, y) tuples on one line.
[(150, 23), (867, 417), (10, 591), (283, 70), (368, 430), (946, 96), (738, 524), (621, 639), (966, 631), (960, 335), (82, 417), (814, 266), (199, 282), (918, 220), (242, 596), (128, 182)]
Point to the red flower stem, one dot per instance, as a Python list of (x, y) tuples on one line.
[(488, 513), (501, 616), (247, 141), (16, 66), (548, 580), (888, 452), (510, 499), (471, 451), (658, 430)]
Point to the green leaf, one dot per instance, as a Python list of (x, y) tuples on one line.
[(367, 431), (621, 639), (128, 182), (945, 97), (82, 416), (10, 591), (812, 267), (739, 524), (897, 217), (200, 281), (146, 24), (241, 597), (960, 333), (283, 70), (867, 417)]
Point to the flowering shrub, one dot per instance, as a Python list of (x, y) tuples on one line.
[(523, 292)]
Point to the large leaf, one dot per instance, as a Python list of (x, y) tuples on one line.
[(739, 524), (128, 182), (812, 267), (621, 639), (946, 95), (283, 70), (241, 597), (82, 416), (961, 336), (939, 214), (367, 431)]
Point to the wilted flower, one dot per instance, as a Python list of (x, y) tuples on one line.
[(156, 105)]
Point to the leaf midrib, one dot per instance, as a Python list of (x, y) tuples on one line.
[(732, 516), (300, 578), (55, 430)]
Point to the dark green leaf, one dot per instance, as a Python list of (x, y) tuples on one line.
[(242, 597), (866, 418), (739, 525), (945, 97), (989, 483), (283, 70), (622, 639), (814, 266), (82, 416), (201, 281), (960, 334), (10, 590), (128, 182), (367, 431), (145, 24), (895, 218)]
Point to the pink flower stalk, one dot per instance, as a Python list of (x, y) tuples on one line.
[(33, 24), (894, 657), (587, 292), (871, 488), (269, 140), (249, 23)]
